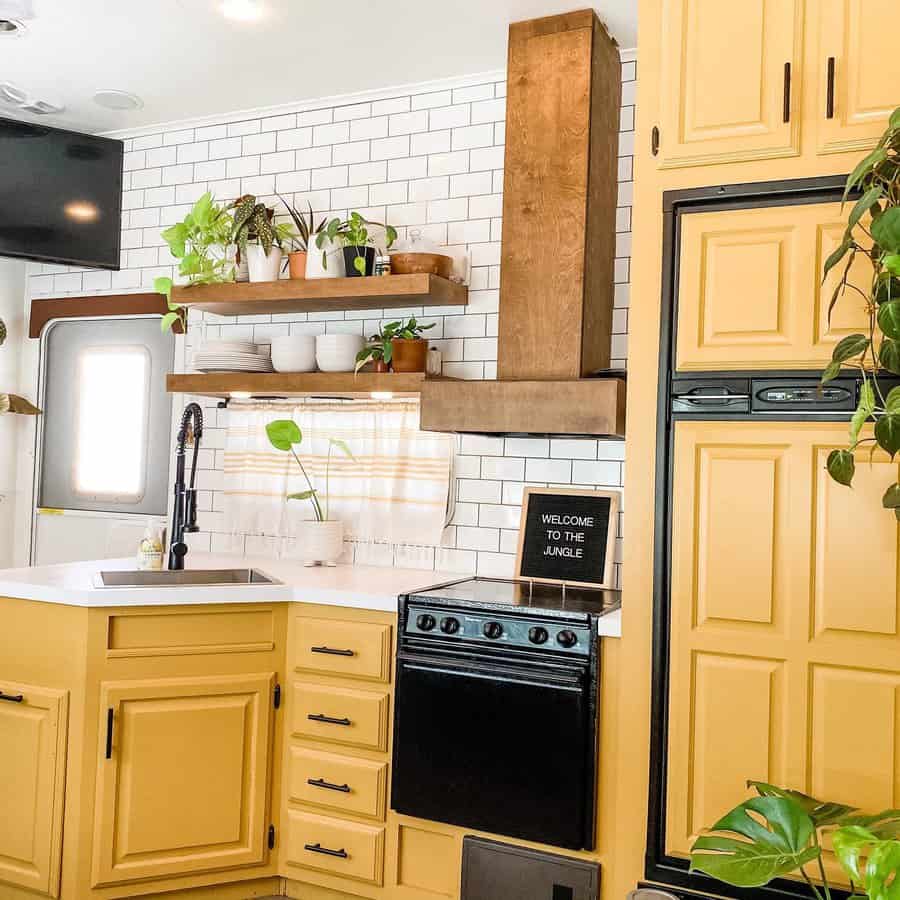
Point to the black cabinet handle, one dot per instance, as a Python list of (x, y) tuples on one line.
[(322, 783), (330, 651), (318, 848), (829, 93), (654, 141), (787, 92), (12, 698), (328, 720), (109, 731)]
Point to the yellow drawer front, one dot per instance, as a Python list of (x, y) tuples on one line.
[(341, 715), (347, 849), (352, 649), (354, 786)]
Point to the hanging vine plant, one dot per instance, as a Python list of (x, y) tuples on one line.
[(872, 234)]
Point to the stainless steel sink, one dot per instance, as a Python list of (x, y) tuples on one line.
[(184, 578)]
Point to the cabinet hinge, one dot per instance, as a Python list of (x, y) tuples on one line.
[(271, 839), (276, 696)]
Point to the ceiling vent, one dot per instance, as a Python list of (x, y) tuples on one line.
[(14, 96)]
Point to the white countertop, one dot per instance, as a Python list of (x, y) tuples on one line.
[(359, 587)]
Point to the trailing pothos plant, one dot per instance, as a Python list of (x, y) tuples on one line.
[(781, 831), (200, 244), (873, 234)]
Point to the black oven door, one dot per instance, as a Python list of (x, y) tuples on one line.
[(496, 748)]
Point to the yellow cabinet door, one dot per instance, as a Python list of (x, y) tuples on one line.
[(858, 73), (750, 292), (730, 80), (183, 776), (33, 727), (784, 626)]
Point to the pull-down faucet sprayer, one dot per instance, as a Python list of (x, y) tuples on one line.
[(184, 515)]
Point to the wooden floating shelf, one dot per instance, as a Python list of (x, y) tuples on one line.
[(277, 384), (322, 295), (593, 406)]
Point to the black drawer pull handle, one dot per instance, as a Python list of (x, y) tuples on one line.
[(322, 783), (12, 698), (328, 720), (109, 731), (332, 652), (829, 90), (318, 848), (786, 112)]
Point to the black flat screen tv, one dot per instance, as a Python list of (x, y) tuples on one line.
[(60, 195)]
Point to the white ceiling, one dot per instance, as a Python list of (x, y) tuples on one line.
[(186, 61)]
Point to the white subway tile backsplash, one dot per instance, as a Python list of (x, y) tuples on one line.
[(431, 161)]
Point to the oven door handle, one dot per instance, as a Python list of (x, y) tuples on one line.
[(503, 678)]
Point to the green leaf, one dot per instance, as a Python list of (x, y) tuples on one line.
[(883, 871), (886, 230), (887, 433), (168, 320), (892, 263), (841, 466), (775, 846), (862, 206), (892, 401), (163, 286), (865, 165), (342, 446), (889, 355), (895, 118), (849, 843), (359, 263), (303, 495), (283, 434), (884, 825), (889, 318), (850, 346), (821, 812), (865, 409), (837, 255), (891, 498), (831, 372), (887, 288)]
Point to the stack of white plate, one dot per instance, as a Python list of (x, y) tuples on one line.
[(232, 356)]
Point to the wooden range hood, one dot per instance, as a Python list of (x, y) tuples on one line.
[(559, 205)]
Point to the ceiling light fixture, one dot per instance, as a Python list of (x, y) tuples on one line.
[(118, 100), (242, 10), (11, 28)]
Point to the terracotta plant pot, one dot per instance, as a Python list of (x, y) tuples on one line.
[(379, 365), (409, 356), (297, 264)]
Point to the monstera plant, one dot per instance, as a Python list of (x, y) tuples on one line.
[(781, 831), (872, 234), (13, 403)]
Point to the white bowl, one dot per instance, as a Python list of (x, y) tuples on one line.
[(294, 353), (337, 352)]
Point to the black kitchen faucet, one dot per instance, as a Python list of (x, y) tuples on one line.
[(184, 515)]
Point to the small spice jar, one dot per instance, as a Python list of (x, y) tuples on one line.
[(382, 265)]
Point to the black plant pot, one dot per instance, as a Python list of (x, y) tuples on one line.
[(350, 256)]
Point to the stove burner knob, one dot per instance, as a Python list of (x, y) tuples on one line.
[(493, 630), (426, 622), (449, 625), (567, 639), (538, 635)]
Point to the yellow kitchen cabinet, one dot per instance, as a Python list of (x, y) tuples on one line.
[(33, 727), (183, 779), (783, 629), (858, 72), (750, 292), (729, 88)]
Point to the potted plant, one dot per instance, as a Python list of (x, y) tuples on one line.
[(259, 238), (873, 234), (379, 350), (321, 539), (781, 831), (357, 242), (408, 348), (200, 244), (306, 233)]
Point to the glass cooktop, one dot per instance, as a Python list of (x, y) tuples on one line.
[(525, 595)]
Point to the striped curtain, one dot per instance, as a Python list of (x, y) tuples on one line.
[(395, 488)]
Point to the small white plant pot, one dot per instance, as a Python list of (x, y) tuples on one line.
[(262, 267), (316, 268), (320, 543)]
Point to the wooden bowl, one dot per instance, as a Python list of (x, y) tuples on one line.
[(421, 264)]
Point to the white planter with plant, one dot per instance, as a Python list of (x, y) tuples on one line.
[(324, 259), (320, 539), (200, 244), (259, 238)]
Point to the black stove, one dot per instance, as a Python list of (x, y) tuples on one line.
[(495, 716)]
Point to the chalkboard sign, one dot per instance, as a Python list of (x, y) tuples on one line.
[(568, 536)]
